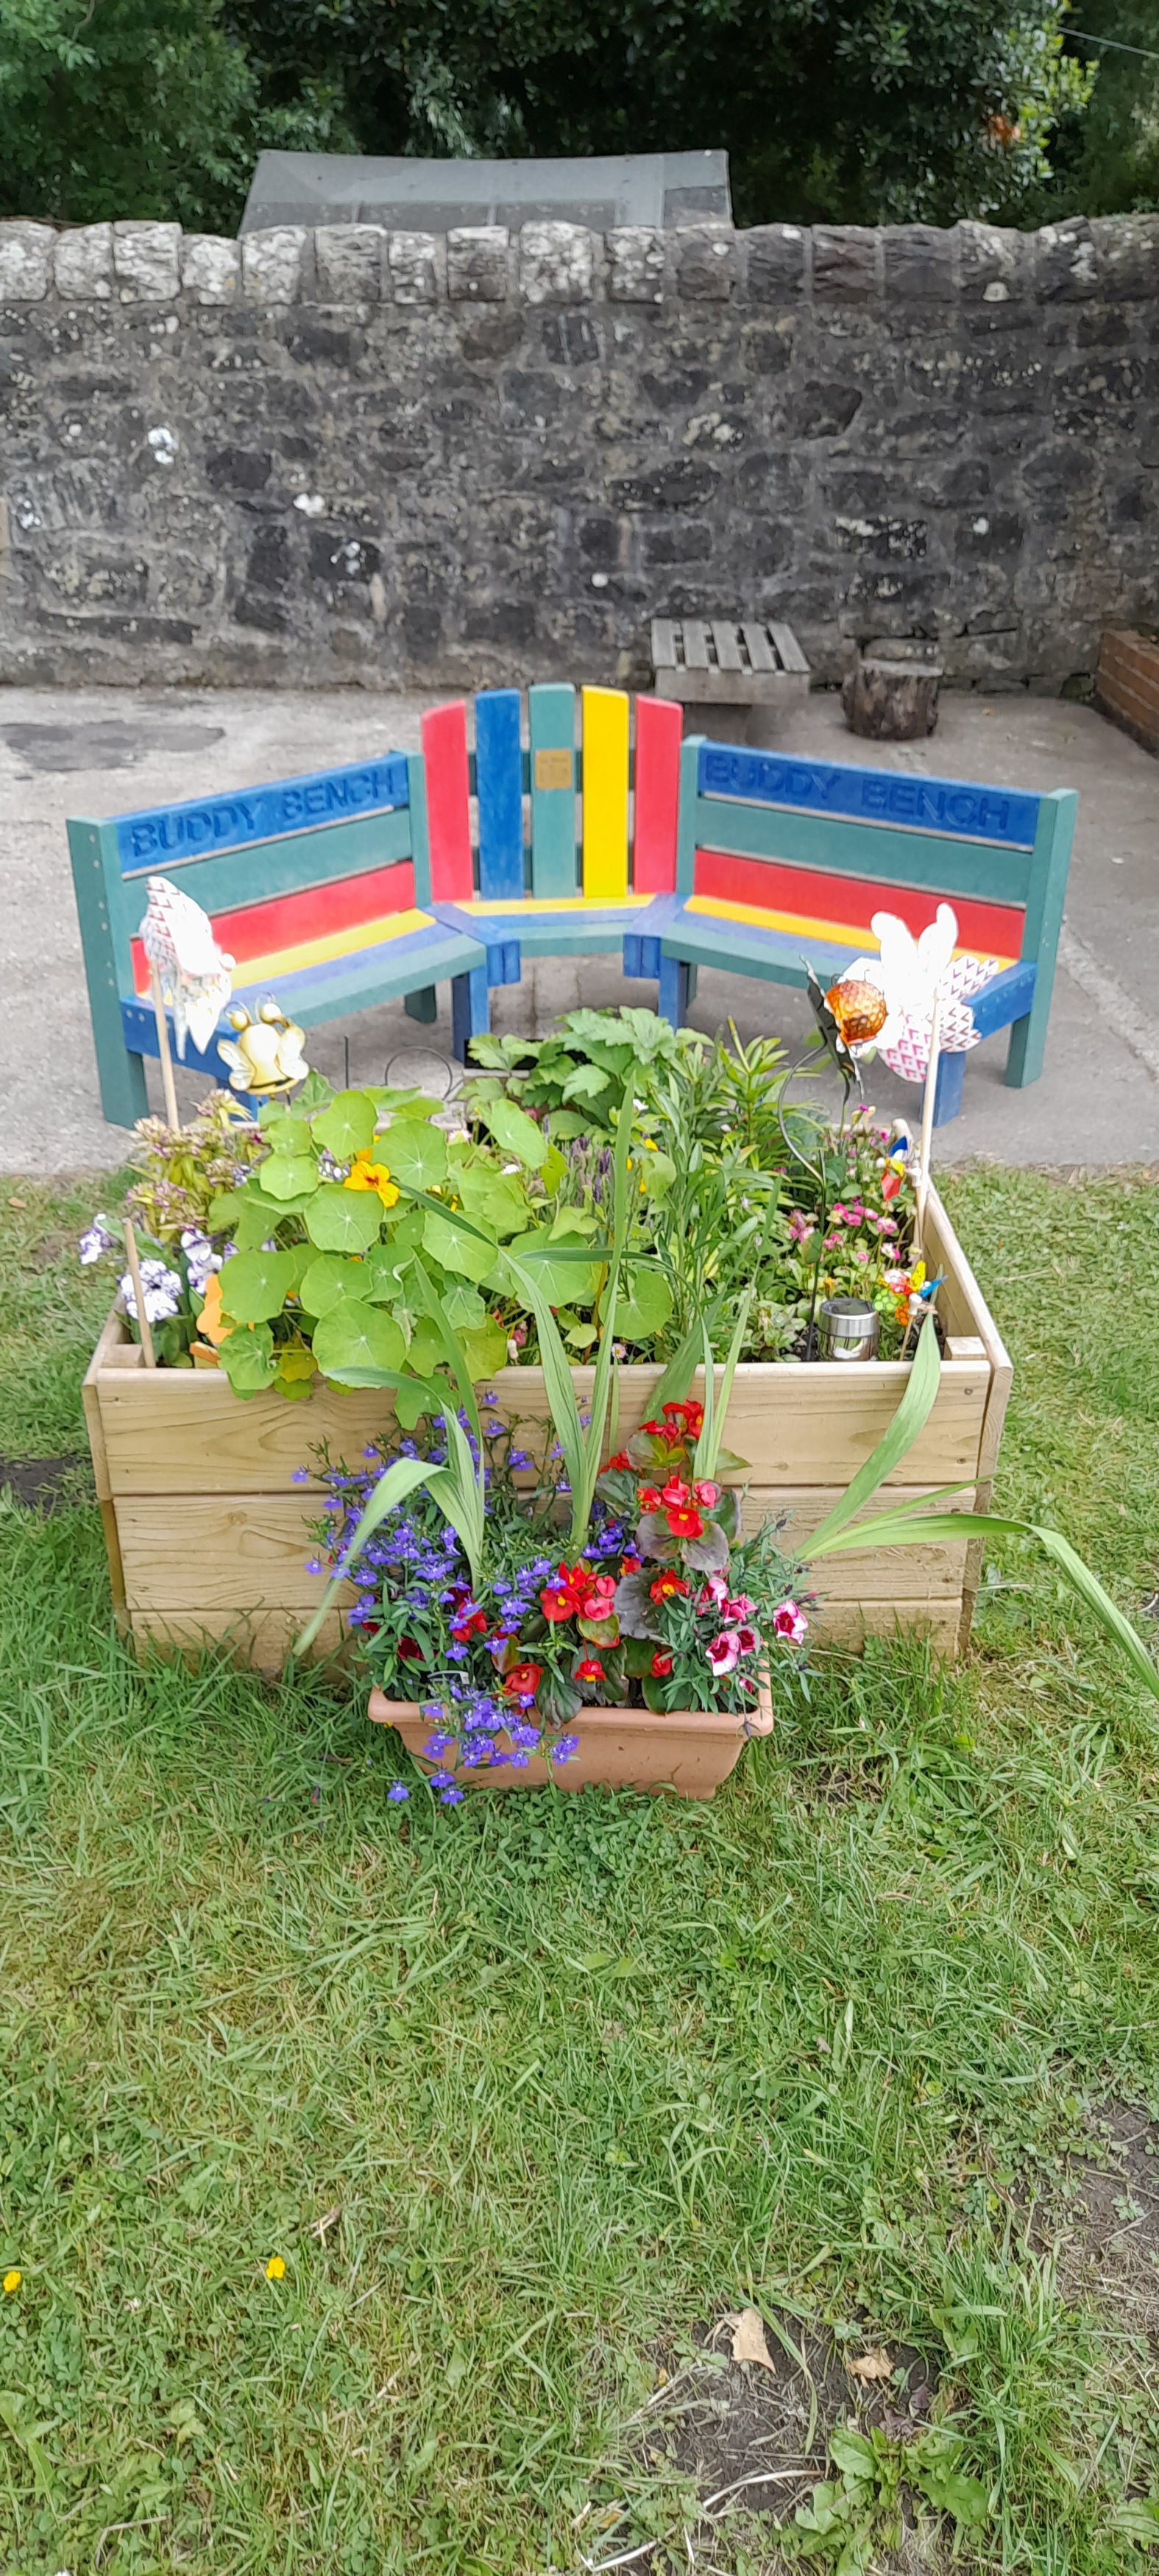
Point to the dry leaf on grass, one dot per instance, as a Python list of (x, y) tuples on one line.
[(748, 2340), (872, 2365)]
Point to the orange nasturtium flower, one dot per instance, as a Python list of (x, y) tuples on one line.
[(212, 1325), (367, 1175)]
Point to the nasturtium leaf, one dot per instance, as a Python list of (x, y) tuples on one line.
[(248, 1359), (495, 1199), (425, 1347), (455, 1249), (414, 1153), (255, 1285), (575, 1221), (331, 1276), (463, 1307), (293, 1176), (289, 1135), (339, 1220), (356, 1335), (410, 1404), (580, 1337), (381, 1273), (644, 1302), (484, 1348), (225, 1210), (296, 1367), (514, 1131), (565, 1271), (657, 1171), (552, 1170), (347, 1126), (314, 1095)]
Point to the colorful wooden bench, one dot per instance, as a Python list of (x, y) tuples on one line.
[(318, 886), (781, 863), (526, 884)]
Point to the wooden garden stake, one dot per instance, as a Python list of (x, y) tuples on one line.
[(167, 1083), (928, 1118), (138, 1291)]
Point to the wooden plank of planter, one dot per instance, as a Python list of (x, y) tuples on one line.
[(259, 1639), (968, 1310), (791, 1425), (263, 1638), (243, 1552), (109, 1342)]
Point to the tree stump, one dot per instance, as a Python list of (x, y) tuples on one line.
[(891, 701)]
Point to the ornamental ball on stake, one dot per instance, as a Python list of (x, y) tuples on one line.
[(859, 1009)]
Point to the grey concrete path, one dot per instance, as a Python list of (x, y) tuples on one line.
[(104, 751)]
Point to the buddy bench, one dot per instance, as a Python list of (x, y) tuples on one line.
[(782, 861), (318, 887), (356, 885)]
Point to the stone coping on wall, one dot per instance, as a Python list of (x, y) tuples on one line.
[(825, 265)]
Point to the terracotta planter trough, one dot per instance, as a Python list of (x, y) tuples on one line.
[(689, 1751), (208, 1532)]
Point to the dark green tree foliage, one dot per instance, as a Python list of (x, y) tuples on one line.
[(139, 107), (840, 110), (868, 111), (1107, 162)]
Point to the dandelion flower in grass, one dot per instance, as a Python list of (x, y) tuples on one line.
[(275, 2268), (12, 2281)]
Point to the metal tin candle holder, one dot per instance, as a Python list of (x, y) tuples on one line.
[(848, 1328)]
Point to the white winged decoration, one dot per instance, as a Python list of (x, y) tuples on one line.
[(194, 973), (909, 972)]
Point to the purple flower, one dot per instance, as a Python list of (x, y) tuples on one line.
[(491, 1430), (299, 1475), (396, 1793), (95, 1240), (526, 1737), (563, 1749), (441, 1779), (451, 1798), (435, 1745), (313, 1565), (489, 1396)]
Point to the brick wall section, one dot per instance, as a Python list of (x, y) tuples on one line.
[(1127, 685), (356, 455)]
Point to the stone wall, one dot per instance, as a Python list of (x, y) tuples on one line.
[(365, 456)]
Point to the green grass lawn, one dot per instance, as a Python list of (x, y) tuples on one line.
[(570, 2075)]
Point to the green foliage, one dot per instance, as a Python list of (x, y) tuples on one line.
[(850, 2520), (126, 109), (1106, 161), (578, 2072)]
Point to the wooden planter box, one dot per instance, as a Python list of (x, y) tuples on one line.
[(689, 1751), (208, 1535)]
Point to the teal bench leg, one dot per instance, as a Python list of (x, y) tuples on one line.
[(423, 1005), (470, 1009), (1027, 1046), (124, 1096), (672, 999)]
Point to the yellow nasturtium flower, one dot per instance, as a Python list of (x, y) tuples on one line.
[(367, 1175)]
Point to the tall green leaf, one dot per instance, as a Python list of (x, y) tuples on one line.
[(910, 1526), (711, 1440), (393, 1486), (912, 1414)]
